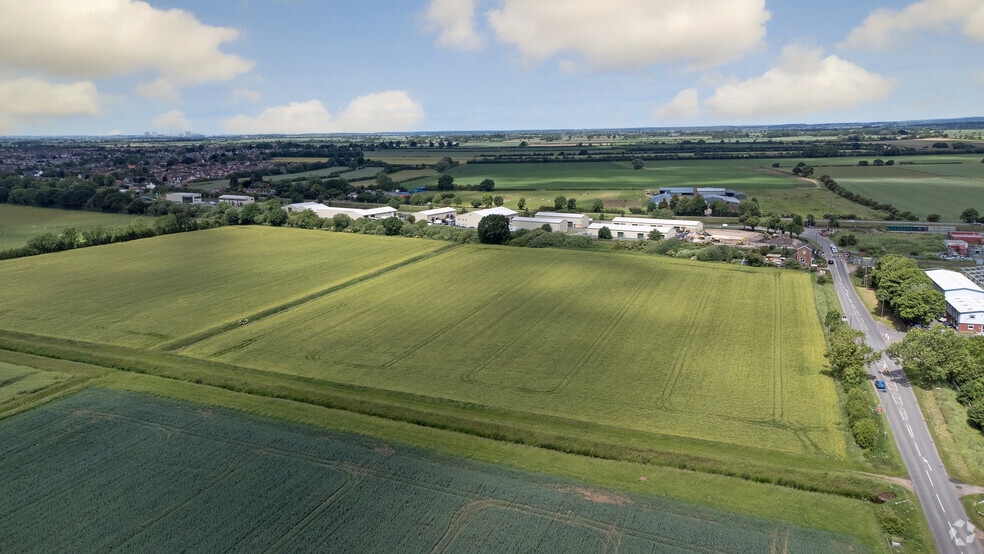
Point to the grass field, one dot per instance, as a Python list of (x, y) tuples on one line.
[(19, 224), (537, 339), (597, 366), (16, 380), (923, 185), (149, 473), (145, 293)]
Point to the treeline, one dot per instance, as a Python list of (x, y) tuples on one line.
[(937, 356), (906, 289), (848, 354), (892, 212)]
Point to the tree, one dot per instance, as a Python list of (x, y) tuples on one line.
[(605, 233), (847, 354), (498, 200), (969, 215), (487, 199), (932, 356), (392, 226), (934, 218), (752, 222), (445, 182), (493, 229), (394, 202), (444, 165), (340, 222), (638, 163), (655, 235), (560, 203), (597, 205), (522, 203), (275, 215), (865, 433), (720, 208), (486, 185), (571, 204), (384, 181), (250, 214), (810, 220)]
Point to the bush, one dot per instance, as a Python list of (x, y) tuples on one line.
[(605, 233), (975, 414), (865, 433), (493, 229)]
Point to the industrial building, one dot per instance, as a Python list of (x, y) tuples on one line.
[(437, 216), (184, 197), (471, 219), (236, 199), (326, 212), (964, 300)]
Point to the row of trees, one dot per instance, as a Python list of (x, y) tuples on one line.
[(892, 212), (906, 289), (848, 354)]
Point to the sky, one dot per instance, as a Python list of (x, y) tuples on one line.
[(104, 67)]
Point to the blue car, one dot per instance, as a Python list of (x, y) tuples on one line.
[(880, 385)]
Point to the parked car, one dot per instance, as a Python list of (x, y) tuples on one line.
[(880, 385)]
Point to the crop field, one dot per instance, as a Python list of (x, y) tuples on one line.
[(150, 474), (16, 380), (18, 224), (920, 186), (658, 345), (148, 292)]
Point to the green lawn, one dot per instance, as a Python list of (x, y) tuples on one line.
[(19, 224)]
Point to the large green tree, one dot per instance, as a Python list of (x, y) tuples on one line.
[(445, 182), (493, 229), (932, 356), (847, 354)]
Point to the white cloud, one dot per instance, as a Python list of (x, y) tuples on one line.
[(685, 105), (173, 120), (26, 99), (454, 20), (103, 38), (243, 94), (630, 34), (385, 111), (885, 27), (804, 83), (159, 89)]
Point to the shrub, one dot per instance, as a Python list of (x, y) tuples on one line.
[(865, 433)]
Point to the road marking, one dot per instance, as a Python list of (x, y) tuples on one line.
[(898, 399), (909, 427), (941, 503), (927, 463), (917, 449), (930, 479), (904, 416)]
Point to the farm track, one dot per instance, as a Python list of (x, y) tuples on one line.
[(189, 340), (689, 339)]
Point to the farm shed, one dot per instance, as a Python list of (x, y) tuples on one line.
[(236, 199), (964, 299), (300, 206), (437, 215), (184, 197), (471, 219), (577, 221), (680, 224), (619, 232), (969, 237), (956, 247), (557, 225)]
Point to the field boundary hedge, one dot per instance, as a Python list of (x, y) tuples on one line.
[(189, 340), (548, 432)]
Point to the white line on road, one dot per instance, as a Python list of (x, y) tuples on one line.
[(930, 479), (898, 399), (904, 417), (917, 449), (909, 427), (941, 503)]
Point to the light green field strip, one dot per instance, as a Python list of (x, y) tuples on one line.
[(150, 292), (658, 345), (817, 511), (19, 380)]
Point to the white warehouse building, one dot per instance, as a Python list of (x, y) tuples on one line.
[(964, 299), (471, 219)]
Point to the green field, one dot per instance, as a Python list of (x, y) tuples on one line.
[(923, 185), (153, 474), (145, 293), (16, 381), (19, 224), (537, 339)]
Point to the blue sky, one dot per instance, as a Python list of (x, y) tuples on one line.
[(305, 66)]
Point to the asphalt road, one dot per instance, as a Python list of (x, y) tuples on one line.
[(937, 493)]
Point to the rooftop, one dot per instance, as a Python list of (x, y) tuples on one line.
[(948, 280)]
